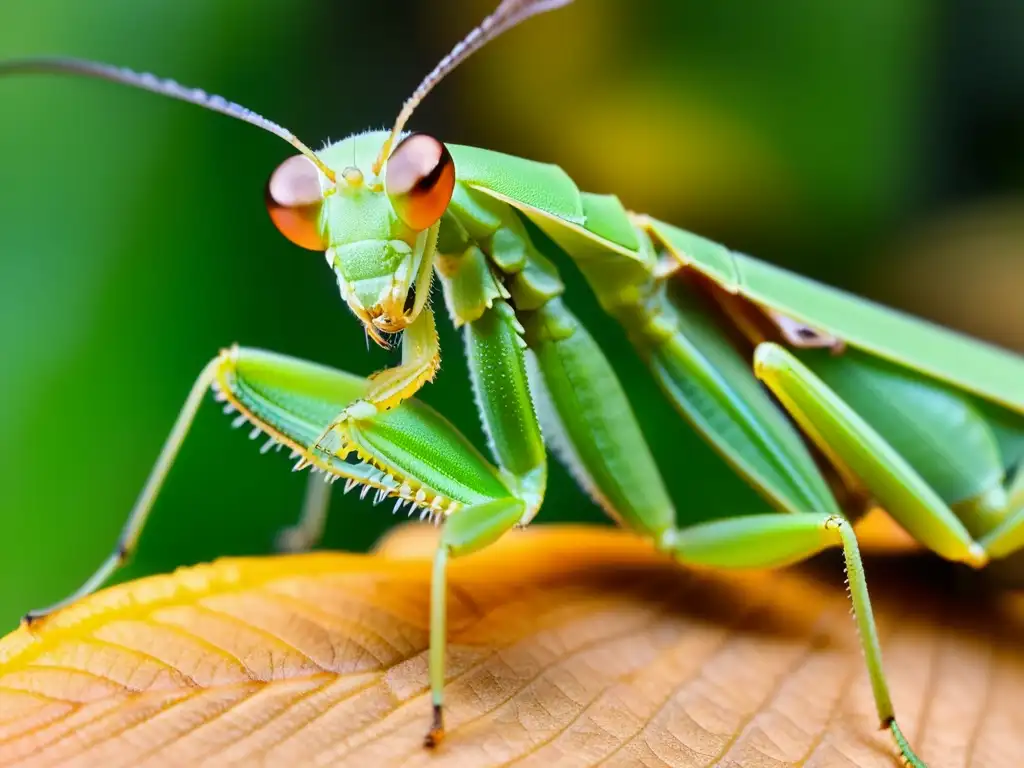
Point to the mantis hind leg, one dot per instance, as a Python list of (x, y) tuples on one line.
[(771, 540), (859, 451)]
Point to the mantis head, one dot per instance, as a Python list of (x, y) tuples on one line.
[(377, 222), (372, 207), (377, 231)]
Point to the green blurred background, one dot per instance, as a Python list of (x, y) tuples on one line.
[(878, 145)]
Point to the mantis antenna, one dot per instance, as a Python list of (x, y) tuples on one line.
[(154, 84), (507, 15)]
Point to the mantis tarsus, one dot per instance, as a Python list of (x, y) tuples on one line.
[(806, 391)]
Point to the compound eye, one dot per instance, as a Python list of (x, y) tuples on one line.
[(420, 179), (294, 201)]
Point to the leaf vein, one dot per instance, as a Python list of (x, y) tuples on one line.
[(311, 611), (582, 648), (77, 731), (126, 649), (350, 693), (210, 646), (238, 621), (255, 688), (738, 620)]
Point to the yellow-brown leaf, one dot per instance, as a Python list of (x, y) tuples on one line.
[(569, 646)]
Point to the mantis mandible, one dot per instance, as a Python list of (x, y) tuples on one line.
[(810, 394)]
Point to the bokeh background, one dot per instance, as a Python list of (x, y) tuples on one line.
[(877, 145)]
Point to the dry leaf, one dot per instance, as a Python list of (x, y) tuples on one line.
[(569, 646)]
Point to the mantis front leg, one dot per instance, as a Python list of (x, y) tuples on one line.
[(421, 357), (409, 454)]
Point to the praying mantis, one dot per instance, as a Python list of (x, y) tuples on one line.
[(823, 402)]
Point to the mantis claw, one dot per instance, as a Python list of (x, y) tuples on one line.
[(329, 442), (334, 439)]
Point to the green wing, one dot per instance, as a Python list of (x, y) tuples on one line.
[(972, 365), (548, 196), (965, 362)]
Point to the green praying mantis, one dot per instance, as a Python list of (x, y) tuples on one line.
[(823, 402)]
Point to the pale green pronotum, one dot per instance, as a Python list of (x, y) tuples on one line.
[(763, 363)]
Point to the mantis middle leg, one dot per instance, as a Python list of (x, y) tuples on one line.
[(497, 367)]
